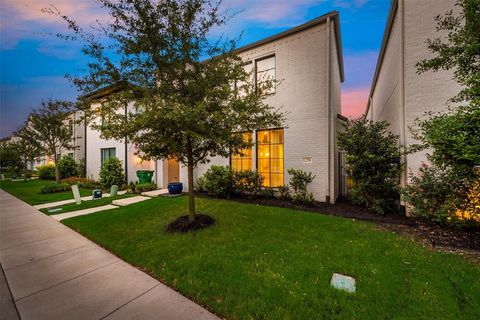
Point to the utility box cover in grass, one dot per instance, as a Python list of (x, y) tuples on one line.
[(339, 281)]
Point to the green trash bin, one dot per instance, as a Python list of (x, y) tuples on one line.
[(144, 176)]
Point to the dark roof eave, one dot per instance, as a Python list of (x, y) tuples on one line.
[(386, 36)]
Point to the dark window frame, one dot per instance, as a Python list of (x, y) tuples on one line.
[(102, 157)]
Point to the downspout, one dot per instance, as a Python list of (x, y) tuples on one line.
[(328, 112), (85, 145), (126, 150), (403, 139)]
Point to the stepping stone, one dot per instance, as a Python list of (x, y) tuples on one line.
[(155, 193), (341, 282), (127, 201), (63, 216), (55, 210)]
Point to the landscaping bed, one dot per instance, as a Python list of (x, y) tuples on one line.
[(432, 234), (265, 262)]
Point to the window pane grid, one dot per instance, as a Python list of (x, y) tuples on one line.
[(270, 157), (243, 160)]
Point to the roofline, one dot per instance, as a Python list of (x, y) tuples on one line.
[(342, 117), (386, 36), (103, 92), (335, 15)]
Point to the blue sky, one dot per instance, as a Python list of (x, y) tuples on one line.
[(33, 66)]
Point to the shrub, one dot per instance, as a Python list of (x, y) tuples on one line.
[(82, 182), (469, 210), (373, 163), (217, 181), (436, 193), (284, 193), (142, 187), (247, 182), (56, 187), (299, 181), (67, 167), (81, 168), (46, 172), (111, 173)]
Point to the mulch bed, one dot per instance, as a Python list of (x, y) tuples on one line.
[(183, 225), (432, 235)]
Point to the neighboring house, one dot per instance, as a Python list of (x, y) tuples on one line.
[(399, 94), (307, 62), (76, 127)]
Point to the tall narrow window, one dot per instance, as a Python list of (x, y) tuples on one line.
[(107, 153), (243, 160), (265, 74), (270, 156)]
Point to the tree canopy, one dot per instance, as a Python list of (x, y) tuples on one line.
[(46, 125), (189, 94)]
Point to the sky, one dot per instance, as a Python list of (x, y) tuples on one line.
[(33, 65)]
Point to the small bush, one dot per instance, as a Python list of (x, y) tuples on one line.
[(435, 194), (56, 187), (247, 182), (112, 173), (299, 180), (82, 182), (67, 167), (284, 193), (46, 172), (267, 193), (217, 181), (468, 212), (81, 168), (142, 187)]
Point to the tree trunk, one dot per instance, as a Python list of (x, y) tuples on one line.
[(25, 169), (191, 194), (57, 171)]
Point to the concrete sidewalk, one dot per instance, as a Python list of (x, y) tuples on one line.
[(55, 273)]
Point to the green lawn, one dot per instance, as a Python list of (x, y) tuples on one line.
[(86, 204), (29, 191), (261, 262)]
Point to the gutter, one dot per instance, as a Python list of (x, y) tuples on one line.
[(328, 100)]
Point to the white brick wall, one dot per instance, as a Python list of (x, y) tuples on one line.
[(423, 93)]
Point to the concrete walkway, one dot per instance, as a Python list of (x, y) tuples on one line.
[(55, 273), (64, 202), (71, 214)]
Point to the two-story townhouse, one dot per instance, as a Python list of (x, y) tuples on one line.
[(399, 94), (307, 62)]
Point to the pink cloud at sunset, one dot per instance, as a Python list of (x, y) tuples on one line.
[(354, 101)]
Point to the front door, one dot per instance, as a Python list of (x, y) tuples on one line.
[(173, 171)]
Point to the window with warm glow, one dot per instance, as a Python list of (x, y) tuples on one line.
[(270, 156), (243, 160)]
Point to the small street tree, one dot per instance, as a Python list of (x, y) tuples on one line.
[(191, 95), (47, 126), (27, 147), (10, 160), (373, 163)]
